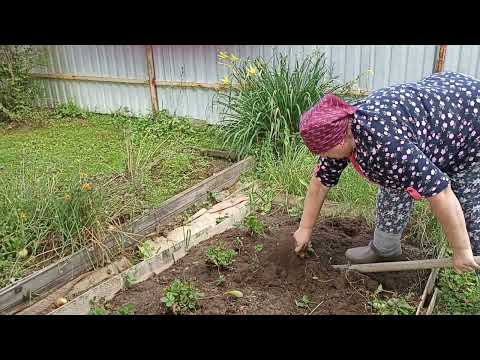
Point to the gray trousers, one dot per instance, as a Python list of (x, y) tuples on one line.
[(394, 209)]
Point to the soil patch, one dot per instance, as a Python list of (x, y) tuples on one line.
[(273, 279)]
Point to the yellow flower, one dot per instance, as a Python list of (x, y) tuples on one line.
[(226, 80), (67, 198), (83, 175), (223, 55), (23, 215), (252, 70), (233, 58), (87, 187)]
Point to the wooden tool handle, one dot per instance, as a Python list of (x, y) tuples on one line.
[(401, 265)]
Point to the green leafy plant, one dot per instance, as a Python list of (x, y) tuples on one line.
[(254, 225), (265, 99), (126, 310), (238, 242), (98, 311), (261, 200), (69, 111), (130, 280), (460, 293), (259, 248), (181, 297), (147, 250), (155, 125), (220, 256), (391, 305), (304, 302)]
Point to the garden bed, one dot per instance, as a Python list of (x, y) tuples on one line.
[(272, 279), (71, 270)]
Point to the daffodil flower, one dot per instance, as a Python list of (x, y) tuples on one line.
[(23, 215), (83, 175), (67, 198), (233, 58)]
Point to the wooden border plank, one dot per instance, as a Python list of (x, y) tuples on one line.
[(431, 306), (220, 154), (67, 269)]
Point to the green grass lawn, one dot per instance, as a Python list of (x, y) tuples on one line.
[(66, 148)]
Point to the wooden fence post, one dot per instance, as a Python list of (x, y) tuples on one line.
[(151, 78), (440, 61)]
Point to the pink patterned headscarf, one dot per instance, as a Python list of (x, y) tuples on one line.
[(324, 126)]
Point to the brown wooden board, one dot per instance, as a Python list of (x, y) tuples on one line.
[(433, 302), (37, 284), (151, 78)]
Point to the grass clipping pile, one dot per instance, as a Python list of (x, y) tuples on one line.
[(266, 277)]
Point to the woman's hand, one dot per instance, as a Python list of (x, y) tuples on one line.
[(463, 261), (302, 239), (449, 213)]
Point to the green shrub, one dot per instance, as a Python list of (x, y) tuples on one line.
[(155, 125), (265, 99), (18, 90), (69, 111)]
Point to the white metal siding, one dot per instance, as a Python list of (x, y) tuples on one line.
[(464, 59), (392, 64)]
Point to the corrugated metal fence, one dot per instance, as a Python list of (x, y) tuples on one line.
[(105, 78)]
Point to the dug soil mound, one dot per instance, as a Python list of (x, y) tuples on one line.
[(272, 279)]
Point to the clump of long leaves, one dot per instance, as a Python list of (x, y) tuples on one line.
[(265, 99)]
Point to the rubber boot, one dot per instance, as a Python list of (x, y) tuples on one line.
[(369, 254)]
